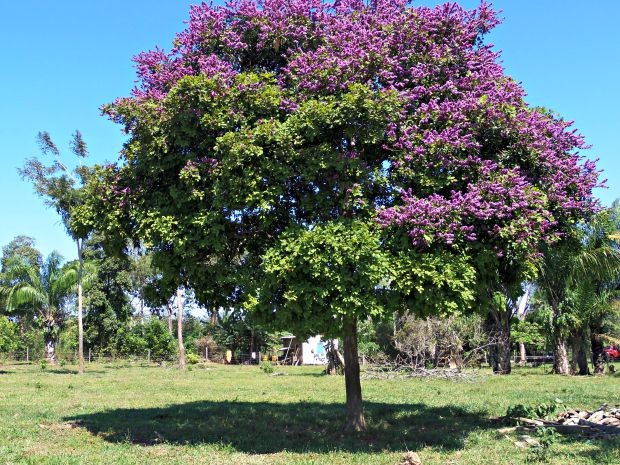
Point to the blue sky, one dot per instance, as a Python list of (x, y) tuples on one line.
[(62, 60)]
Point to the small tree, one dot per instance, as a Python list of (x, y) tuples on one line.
[(61, 188)]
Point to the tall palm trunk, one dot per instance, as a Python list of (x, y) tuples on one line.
[(49, 339), (180, 329), (522, 354), (355, 420), (80, 274)]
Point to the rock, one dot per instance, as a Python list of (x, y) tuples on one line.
[(410, 458)]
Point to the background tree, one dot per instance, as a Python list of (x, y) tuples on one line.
[(20, 250), (61, 188), (47, 290), (296, 126), (107, 300), (576, 279)]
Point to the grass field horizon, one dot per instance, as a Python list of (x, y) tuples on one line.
[(215, 414)]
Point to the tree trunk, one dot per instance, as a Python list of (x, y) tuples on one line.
[(498, 328), (579, 362), (50, 342), (598, 358), (335, 360), (355, 415), (170, 312), (214, 317), (522, 354), (80, 305), (560, 355), (180, 329)]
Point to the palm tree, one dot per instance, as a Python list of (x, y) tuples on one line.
[(47, 289), (575, 281)]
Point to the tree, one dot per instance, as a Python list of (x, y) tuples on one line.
[(297, 126), (47, 290), (20, 250), (62, 188), (107, 300), (577, 279)]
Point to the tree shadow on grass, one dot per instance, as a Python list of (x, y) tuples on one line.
[(260, 427), (605, 450), (69, 371)]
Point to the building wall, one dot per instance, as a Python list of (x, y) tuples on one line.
[(313, 351)]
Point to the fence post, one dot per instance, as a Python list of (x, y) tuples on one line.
[(89, 354), (206, 353), (148, 356), (27, 355)]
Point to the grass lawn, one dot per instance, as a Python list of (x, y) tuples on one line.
[(119, 414)]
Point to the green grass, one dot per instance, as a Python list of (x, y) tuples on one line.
[(119, 414)]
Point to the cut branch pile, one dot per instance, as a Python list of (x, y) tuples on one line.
[(395, 371), (604, 421)]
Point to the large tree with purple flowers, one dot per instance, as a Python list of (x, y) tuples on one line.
[(324, 162)]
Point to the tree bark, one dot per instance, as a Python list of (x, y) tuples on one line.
[(50, 341), (170, 312), (560, 355), (598, 358), (355, 420), (498, 328), (335, 360), (80, 309), (522, 354), (180, 329), (579, 363)]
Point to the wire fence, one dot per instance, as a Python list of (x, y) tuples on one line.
[(148, 357)]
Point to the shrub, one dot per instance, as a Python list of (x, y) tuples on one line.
[(192, 359), (267, 367), (8, 335)]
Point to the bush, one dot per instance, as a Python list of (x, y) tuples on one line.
[(267, 367), (151, 335), (192, 359), (8, 335)]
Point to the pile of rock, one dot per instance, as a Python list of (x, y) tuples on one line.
[(604, 416), (602, 421)]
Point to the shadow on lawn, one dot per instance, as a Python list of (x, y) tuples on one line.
[(258, 427)]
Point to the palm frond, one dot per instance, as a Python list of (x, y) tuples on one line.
[(23, 293), (64, 283)]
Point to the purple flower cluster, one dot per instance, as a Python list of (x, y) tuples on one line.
[(468, 159)]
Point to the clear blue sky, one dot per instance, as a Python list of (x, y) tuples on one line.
[(62, 60)]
